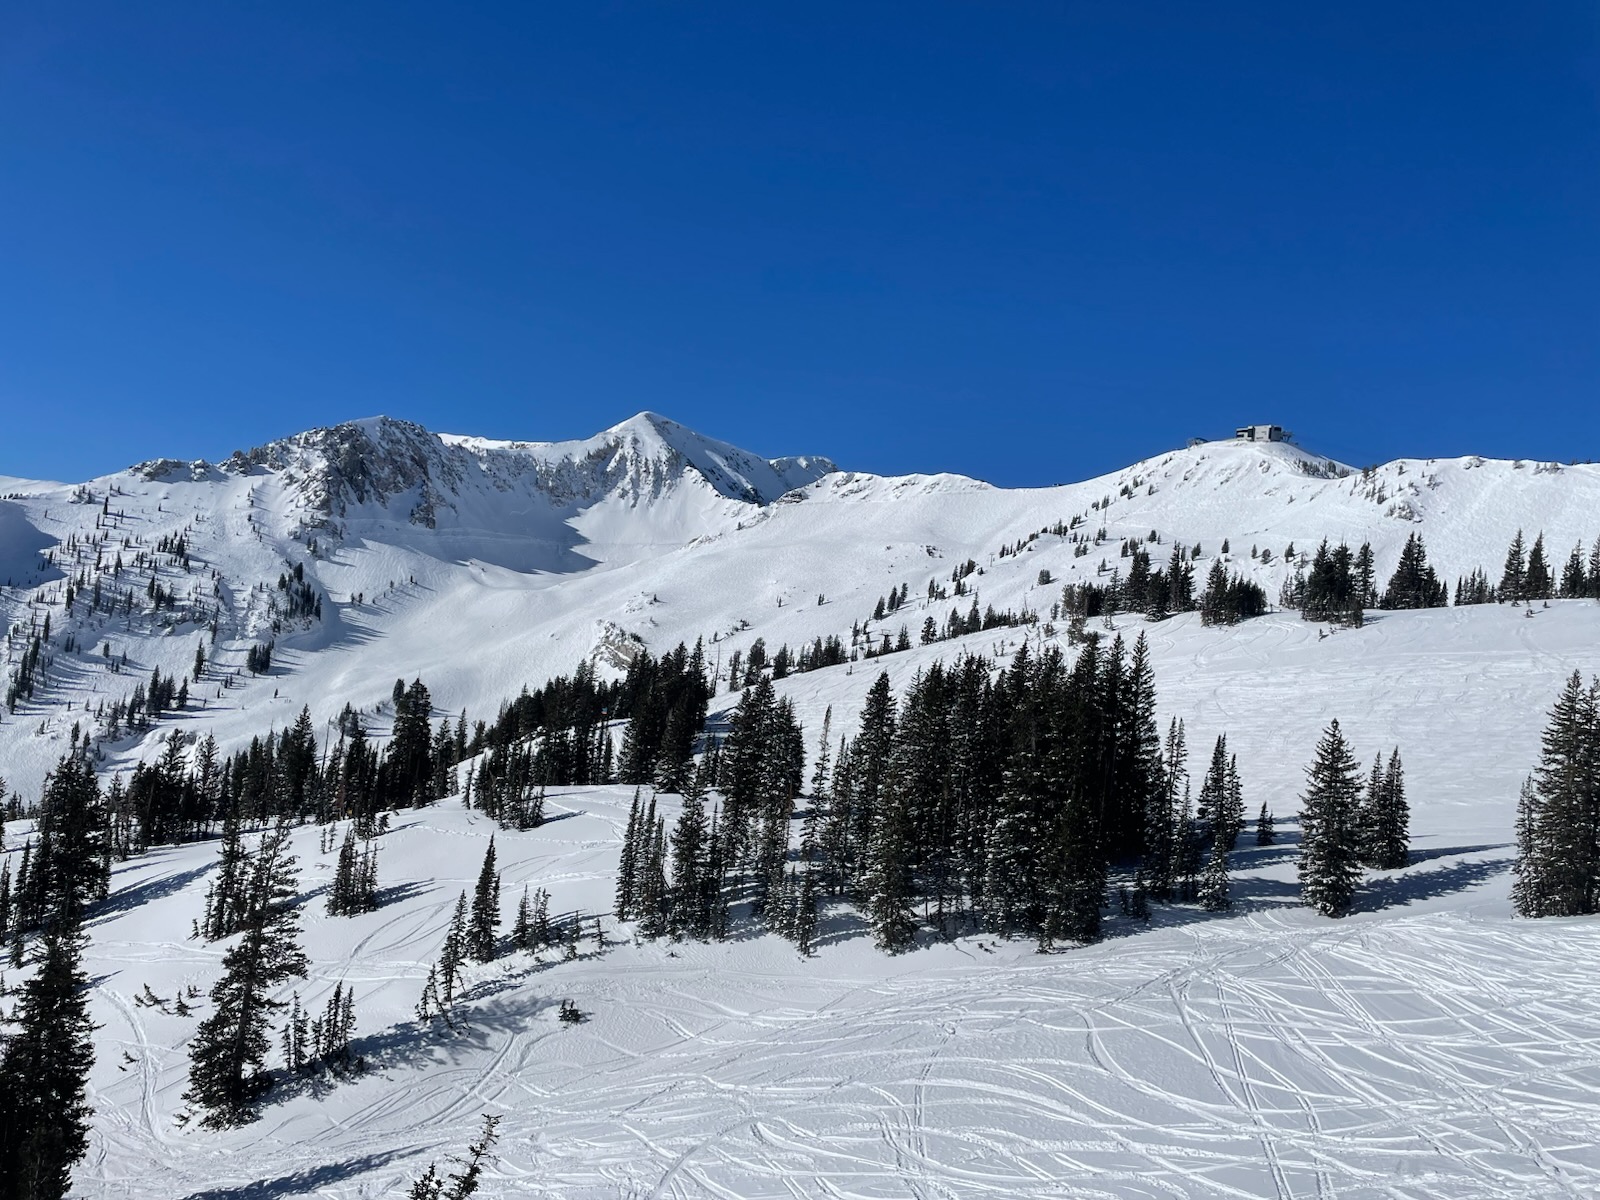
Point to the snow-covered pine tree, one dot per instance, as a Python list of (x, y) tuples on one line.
[(342, 892), (224, 911), (1164, 850), (655, 899), (1213, 799), (1232, 804), (1330, 833), (1266, 828)]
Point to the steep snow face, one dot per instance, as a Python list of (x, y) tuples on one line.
[(379, 464), (644, 456)]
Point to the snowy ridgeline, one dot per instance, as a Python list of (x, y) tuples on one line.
[(1429, 1044)]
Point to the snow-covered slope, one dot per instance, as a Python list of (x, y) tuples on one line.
[(1430, 1046), (486, 565)]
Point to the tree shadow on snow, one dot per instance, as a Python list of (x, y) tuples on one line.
[(299, 1183), (1387, 889), (1422, 856), (396, 892), (129, 898), (414, 1044)]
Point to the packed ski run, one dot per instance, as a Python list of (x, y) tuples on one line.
[(1430, 1044)]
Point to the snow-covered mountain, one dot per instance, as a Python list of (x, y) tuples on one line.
[(1428, 1046), (483, 565)]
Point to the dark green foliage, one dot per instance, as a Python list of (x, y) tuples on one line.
[(69, 865), (1558, 816), (44, 1115), (482, 938), (1214, 895), (1538, 583), (668, 700), (1514, 575), (1330, 827), (1386, 817), (355, 878), (226, 1058), (1230, 598), (1266, 828), (1338, 587), (1413, 584)]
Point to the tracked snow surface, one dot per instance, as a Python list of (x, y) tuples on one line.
[(1430, 1045)]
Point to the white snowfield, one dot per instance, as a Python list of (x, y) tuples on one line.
[(1430, 1045)]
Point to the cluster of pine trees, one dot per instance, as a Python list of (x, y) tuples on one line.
[(1558, 814), (46, 1055), (977, 799), (310, 1043), (227, 1055), (472, 935), (1529, 575), (1345, 828), (1341, 583), (355, 877), (1229, 597)]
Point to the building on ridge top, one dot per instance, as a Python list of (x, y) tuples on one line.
[(1261, 433)]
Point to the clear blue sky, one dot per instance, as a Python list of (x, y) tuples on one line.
[(1026, 242)]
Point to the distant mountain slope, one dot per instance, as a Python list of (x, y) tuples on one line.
[(484, 565)]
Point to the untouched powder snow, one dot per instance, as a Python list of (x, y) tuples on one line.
[(1429, 1046)]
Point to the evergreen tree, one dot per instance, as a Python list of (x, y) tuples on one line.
[(1537, 582), (522, 925), (44, 1069), (225, 899), (482, 940), (1214, 895), (688, 914), (1558, 817), (1266, 830), (655, 899), (1387, 818), (628, 865), (354, 887), (453, 954), (888, 878), (1413, 584), (226, 1073), (296, 1037), (1212, 810), (1330, 834), (463, 1183), (1513, 578), (1574, 580)]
